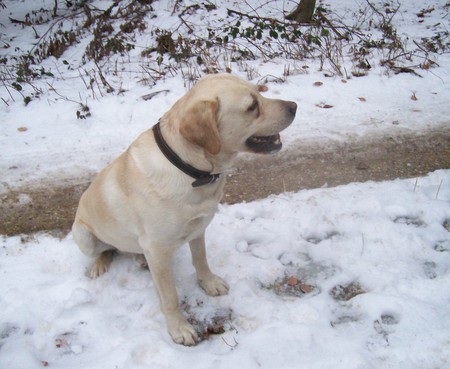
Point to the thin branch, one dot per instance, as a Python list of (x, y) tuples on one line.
[(109, 88), (329, 24), (272, 20), (175, 7), (185, 23), (7, 89), (65, 98)]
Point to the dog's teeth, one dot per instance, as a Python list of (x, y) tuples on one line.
[(266, 140)]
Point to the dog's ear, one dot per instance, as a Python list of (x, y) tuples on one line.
[(199, 126)]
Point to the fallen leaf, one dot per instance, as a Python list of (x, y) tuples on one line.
[(292, 281), (359, 74), (22, 129), (306, 288), (363, 99), (343, 80), (414, 97), (318, 83)]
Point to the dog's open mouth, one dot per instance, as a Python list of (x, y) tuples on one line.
[(264, 144)]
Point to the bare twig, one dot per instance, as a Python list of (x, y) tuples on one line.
[(439, 189), (329, 24), (232, 346), (65, 98), (105, 83), (385, 20), (7, 89), (55, 9), (271, 20), (185, 23), (175, 6), (153, 94)]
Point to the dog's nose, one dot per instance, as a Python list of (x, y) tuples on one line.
[(292, 107)]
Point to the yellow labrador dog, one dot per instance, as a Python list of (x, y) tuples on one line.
[(164, 190)]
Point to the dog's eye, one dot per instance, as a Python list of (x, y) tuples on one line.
[(253, 107)]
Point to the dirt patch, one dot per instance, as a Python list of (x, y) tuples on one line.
[(28, 210), (309, 166), (52, 206)]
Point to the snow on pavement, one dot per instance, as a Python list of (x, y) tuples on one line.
[(351, 277)]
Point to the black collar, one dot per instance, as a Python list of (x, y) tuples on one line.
[(201, 177)]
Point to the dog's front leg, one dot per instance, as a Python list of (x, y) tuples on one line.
[(211, 283), (179, 329)]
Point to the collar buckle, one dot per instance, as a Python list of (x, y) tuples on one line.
[(205, 180)]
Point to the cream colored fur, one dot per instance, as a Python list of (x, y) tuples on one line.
[(144, 205)]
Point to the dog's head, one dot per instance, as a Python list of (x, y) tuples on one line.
[(225, 113)]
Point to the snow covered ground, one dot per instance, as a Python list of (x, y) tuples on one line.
[(352, 277)]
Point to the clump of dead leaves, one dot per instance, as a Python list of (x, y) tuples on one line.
[(292, 286), (210, 324)]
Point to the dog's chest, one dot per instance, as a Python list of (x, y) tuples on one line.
[(176, 217), (195, 227), (195, 218)]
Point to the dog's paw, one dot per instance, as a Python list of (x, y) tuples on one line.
[(182, 332), (140, 261), (102, 264), (97, 270), (214, 285)]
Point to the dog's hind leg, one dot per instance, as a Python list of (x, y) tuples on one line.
[(91, 246)]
